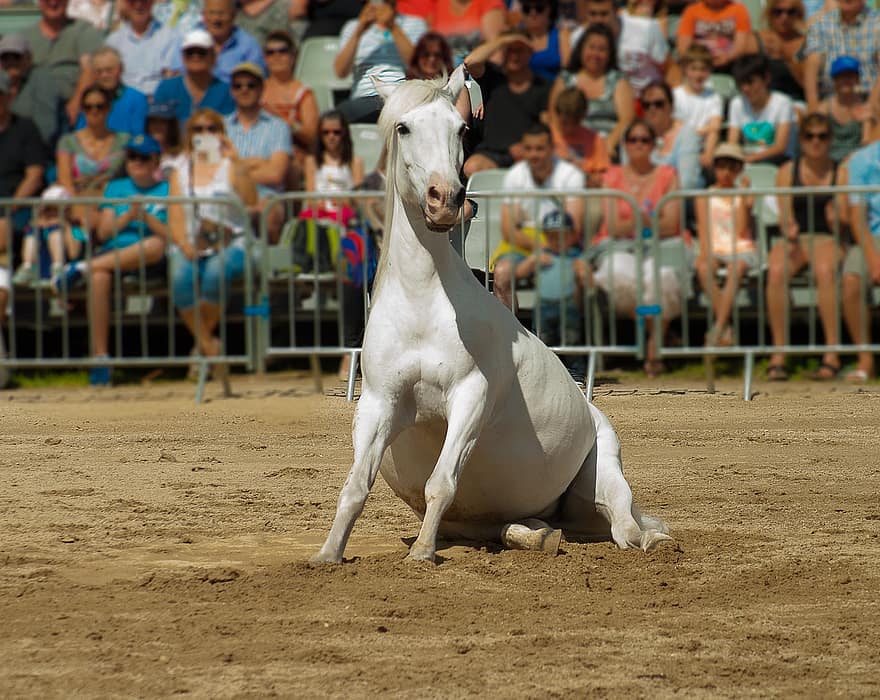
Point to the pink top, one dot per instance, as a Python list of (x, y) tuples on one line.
[(614, 180)]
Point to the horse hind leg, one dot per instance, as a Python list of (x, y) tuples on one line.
[(529, 534)]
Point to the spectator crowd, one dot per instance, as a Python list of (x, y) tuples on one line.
[(647, 97)]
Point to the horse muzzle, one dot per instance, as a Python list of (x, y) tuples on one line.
[(442, 204)]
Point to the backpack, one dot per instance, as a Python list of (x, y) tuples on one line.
[(314, 244)]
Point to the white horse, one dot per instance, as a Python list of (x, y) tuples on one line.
[(490, 435)]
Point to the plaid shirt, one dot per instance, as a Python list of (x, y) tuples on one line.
[(831, 38)]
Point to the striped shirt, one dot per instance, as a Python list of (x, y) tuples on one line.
[(266, 136), (829, 36)]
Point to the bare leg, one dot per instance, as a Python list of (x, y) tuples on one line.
[(855, 313), (727, 298), (99, 303), (130, 258), (478, 162), (503, 281), (826, 259), (783, 263)]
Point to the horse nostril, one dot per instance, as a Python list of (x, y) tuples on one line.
[(433, 194)]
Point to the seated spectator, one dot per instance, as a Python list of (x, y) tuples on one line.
[(468, 23), (288, 98), (762, 119), (618, 265), (540, 169), (163, 126), (642, 48), (333, 168), (146, 46), (593, 70), (15, 60), (721, 26), (850, 29), (861, 267), (696, 102), (181, 16), (260, 18), (514, 100), (727, 241), (232, 45), (88, 158), (580, 146), (808, 225), (782, 42), (432, 56), (851, 118), (132, 237), (95, 12), (198, 87), (379, 43), (551, 46), (50, 232), (207, 237), (60, 50), (128, 113), (261, 140), (677, 142)]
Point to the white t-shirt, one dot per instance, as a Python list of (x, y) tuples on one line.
[(641, 48), (696, 110), (376, 53), (758, 129), (565, 176)]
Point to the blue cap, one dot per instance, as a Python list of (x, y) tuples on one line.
[(557, 220), (844, 64), (161, 110), (144, 144)]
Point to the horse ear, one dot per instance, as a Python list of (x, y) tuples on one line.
[(455, 84), (385, 90)]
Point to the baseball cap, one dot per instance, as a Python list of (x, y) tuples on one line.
[(729, 150), (844, 64), (161, 110), (250, 68), (144, 144), (197, 38), (5, 83), (54, 193), (14, 43), (557, 220)]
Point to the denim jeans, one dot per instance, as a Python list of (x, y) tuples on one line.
[(215, 273)]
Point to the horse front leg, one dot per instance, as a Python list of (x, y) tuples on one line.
[(377, 422), (465, 413)]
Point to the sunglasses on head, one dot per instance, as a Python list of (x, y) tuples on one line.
[(654, 104), (94, 106), (138, 157), (780, 11), (639, 139), (816, 136), (245, 84), (202, 128), (276, 50), (195, 51)]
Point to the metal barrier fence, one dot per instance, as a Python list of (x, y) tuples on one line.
[(129, 285)]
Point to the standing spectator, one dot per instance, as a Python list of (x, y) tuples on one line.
[(333, 168), (851, 118), (540, 169), (696, 103), (593, 70), (90, 157), (259, 18), (782, 42), (514, 100), (232, 45), (146, 46), (761, 118), (60, 50), (721, 26), (95, 12), (379, 43), (261, 140), (468, 23), (198, 87), (132, 237), (580, 146), (551, 46), (163, 126), (850, 29), (677, 141), (128, 113), (288, 98), (642, 48), (862, 264)]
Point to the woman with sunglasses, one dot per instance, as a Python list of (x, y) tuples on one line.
[(88, 158), (678, 144), (813, 229), (592, 69), (333, 168), (782, 42), (617, 265), (208, 238), (431, 56), (551, 46)]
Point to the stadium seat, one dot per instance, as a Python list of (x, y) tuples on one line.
[(314, 67), (367, 143), (756, 11), (724, 85), (15, 19), (766, 209), (488, 218)]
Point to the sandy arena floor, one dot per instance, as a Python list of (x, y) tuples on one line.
[(150, 547)]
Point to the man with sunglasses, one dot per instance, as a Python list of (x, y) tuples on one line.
[(198, 86)]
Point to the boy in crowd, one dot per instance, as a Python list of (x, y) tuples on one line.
[(576, 143), (696, 103)]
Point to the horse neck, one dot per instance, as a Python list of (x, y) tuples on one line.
[(417, 256)]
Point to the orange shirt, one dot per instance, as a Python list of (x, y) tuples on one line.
[(715, 29), (585, 148), (451, 23)]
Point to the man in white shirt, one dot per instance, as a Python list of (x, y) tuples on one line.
[(519, 216), (145, 45)]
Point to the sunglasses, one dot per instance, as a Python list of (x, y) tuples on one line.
[(202, 128), (245, 85), (816, 136), (331, 132), (94, 106), (654, 104), (529, 8), (9, 56), (780, 11), (138, 157), (640, 139), (195, 51), (277, 50)]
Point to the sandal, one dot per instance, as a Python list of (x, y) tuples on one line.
[(654, 368), (857, 376), (777, 373), (826, 372)]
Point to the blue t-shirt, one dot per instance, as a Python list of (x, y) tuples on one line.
[(864, 169), (137, 229), (173, 90), (128, 113)]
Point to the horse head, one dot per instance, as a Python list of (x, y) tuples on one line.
[(424, 133)]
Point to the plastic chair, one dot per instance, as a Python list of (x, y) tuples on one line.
[(367, 143), (477, 249), (766, 209), (756, 11), (724, 85), (314, 63)]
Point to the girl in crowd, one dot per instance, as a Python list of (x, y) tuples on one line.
[(432, 56), (334, 167)]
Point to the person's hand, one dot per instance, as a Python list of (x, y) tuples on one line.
[(545, 259), (385, 15), (71, 109), (744, 182), (188, 250), (227, 148), (479, 111), (135, 211), (367, 16)]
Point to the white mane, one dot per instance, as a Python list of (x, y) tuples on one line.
[(410, 94)]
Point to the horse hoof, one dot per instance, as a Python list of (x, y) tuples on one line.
[(651, 538), (321, 559), (519, 536), (420, 553)]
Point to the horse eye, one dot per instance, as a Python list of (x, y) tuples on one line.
[(402, 129)]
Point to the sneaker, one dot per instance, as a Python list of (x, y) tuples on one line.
[(24, 275), (68, 279), (99, 376)]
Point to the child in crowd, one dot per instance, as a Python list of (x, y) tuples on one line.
[(762, 118), (50, 231), (726, 240), (560, 285), (576, 143), (696, 103), (851, 118)]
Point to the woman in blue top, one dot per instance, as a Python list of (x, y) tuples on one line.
[(132, 239), (551, 46)]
